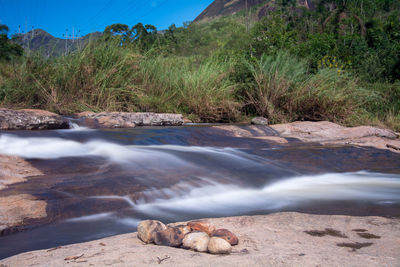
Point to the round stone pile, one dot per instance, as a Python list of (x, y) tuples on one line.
[(199, 236)]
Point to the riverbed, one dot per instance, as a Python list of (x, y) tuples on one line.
[(100, 183)]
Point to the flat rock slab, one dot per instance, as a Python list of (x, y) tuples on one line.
[(129, 120), (31, 119), (279, 239), (17, 208), (323, 132), (14, 169)]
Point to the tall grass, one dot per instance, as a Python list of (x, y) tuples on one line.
[(283, 90), (108, 77), (200, 88)]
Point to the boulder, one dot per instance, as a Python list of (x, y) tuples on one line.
[(202, 226), (219, 246), (130, 120), (226, 235), (171, 237), (31, 119), (197, 241), (259, 121), (147, 229)]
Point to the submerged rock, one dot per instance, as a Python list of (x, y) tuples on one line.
[(31, 119), (226, 235), (147, 229), (197, 241), (130, 120), (218, 245), (202, 226), (259, 121), (171, 237)]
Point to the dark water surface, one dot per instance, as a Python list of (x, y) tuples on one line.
[(99, 183)]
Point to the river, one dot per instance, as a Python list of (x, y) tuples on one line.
[(99, 183)]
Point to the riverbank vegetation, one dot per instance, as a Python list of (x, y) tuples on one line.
[(340, 62)]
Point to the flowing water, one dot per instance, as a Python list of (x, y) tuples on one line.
[(99, 183)]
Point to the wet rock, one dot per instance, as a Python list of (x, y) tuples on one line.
[(202, 226), (197, 241), (15, 209), (171, 237), (31, 119), (14, 169), (130, 120), (259, 121), (226, 235), (219, 246), (147, 229)]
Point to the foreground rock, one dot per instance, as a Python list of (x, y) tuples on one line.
[(31, 119), (202, 226), (130, 120), (198, 241), (324, 132), (219, 246), (270, 240), (171, 237), (148, 228), (227, 235)]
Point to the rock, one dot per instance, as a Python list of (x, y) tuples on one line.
[(328, 131), (147, 229), (186, 120), (15, 209), (259, 121), (14, 169), (276, 239), (202, 226), (130, 120), (226, 235), (219, 246), (197, 241), (183, 228), (30, 119), (171, 237)]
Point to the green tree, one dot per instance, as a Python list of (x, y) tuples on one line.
[(8, 50)]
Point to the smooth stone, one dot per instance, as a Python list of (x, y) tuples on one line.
[(202, 226), (197, 241), (218, 245), (226, 235), (171, 237), (259, 121), (147, 229)]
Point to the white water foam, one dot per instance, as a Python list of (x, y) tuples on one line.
[(94, 217), (161, 155), (228, 199)]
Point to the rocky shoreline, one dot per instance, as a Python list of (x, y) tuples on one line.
[(35, 119), (280, 239)]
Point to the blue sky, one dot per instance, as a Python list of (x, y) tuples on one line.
[(55, 16)]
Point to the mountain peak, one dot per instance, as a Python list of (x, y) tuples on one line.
[(220, 8)]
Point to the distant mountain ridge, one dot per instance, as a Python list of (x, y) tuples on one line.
[(50, 46), (220, 8)]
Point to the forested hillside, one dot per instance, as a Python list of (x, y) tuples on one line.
[(337, 61)]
